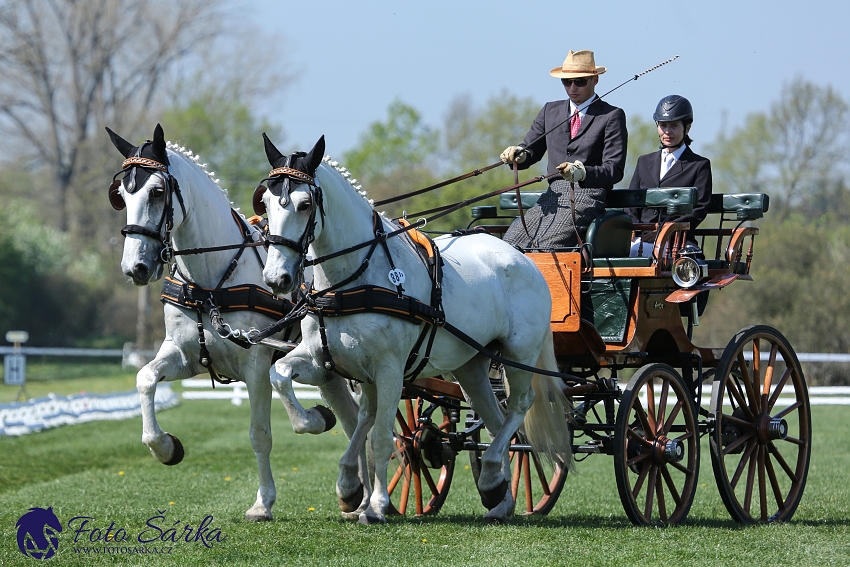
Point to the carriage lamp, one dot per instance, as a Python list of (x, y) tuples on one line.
[(688, 269)]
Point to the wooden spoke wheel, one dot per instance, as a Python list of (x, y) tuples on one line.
[(420, 471), (656, 447), (762, 435), (536, 483)]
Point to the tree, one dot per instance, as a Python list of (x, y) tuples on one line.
[(643, 139), (794, 149), (71, 67), (215, 123), (394, 156)]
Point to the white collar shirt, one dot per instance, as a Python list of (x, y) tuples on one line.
[(668, 159)]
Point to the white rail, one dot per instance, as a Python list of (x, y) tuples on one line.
[(236, 392)]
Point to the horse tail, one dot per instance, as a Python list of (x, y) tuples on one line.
[(546, 421)]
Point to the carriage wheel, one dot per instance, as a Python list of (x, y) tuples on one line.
[(420, 471), (656, 447), (536, 483), (761, 440)]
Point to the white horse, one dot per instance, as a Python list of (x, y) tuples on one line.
[(490, 291), (172, 201)]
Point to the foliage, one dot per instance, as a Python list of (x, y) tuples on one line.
[(78, 470), (791, 151), (70, 67), (215, 123), (643, 139)]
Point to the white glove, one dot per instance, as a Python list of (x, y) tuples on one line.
[(573, 171), (513, 154)]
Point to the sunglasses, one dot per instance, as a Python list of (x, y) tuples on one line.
[(577, 82)]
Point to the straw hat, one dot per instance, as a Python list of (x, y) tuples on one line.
[(577, 64)]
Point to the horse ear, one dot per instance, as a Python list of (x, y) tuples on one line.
[(314, 158), (126, 148), (272, 153), (159, 145)]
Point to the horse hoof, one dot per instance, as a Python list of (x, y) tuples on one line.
[(351, 502), (328, 416), (368, 519), (493, 497), (258, 516), (178, 454)]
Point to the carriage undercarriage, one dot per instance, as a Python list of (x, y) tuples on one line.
[(749, 398)]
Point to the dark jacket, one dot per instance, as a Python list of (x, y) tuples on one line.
[(691, 170), (600, 143)]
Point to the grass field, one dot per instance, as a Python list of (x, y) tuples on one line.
[(101, 470)]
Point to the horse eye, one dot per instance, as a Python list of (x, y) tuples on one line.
[(157, 191), (302, 206)]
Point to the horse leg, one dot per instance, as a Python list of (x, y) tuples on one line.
[(339, 397), (495, 474), (167, 365), (351, 487), (315, 420), (387, 394), (259, 396)]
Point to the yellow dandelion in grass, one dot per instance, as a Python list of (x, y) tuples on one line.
[(120, 473), (171, 503), (311, 509), (227, 478), (424, 540), (295, 468), (466, 467)]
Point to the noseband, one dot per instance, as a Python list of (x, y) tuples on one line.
[(166, 221)]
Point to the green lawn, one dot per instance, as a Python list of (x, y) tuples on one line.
[(103, 471)]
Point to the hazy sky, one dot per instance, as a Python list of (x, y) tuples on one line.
[(352, 59)]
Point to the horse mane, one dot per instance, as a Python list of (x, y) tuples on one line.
[(353, 182), (196, 159)]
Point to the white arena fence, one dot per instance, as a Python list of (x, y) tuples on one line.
[(37, 414)]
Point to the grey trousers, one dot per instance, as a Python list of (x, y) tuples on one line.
[(550, 223)]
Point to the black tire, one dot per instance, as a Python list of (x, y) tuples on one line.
[(656, 447), (414, 486), (760, 447)]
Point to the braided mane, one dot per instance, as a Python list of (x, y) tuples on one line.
[(347, 175), (196, 159)]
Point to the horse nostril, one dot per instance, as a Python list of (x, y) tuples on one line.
[(285, 281), (141, 272)]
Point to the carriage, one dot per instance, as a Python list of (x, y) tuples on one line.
[(618, 337), (642, 391)]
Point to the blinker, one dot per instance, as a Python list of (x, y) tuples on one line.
[(115, 198)]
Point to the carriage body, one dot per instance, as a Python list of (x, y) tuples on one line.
[(643, 392)]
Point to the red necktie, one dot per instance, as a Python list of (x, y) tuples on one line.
[(575, 123)]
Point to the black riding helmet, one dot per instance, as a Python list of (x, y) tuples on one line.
[(672, 108)]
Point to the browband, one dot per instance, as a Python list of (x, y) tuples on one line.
[(290, 172), (144, 162)]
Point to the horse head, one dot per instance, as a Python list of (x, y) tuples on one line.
[(147, 190), (292, 200)]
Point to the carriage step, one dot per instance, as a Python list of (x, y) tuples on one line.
[(591, 447)]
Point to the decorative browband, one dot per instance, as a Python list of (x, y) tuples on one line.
[(144, 162), (290, 172)]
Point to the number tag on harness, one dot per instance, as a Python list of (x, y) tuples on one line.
[(396, 276)]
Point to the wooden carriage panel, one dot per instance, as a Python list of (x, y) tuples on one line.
[(562, 271)]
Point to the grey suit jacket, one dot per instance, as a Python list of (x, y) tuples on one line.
[(600, 143)]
